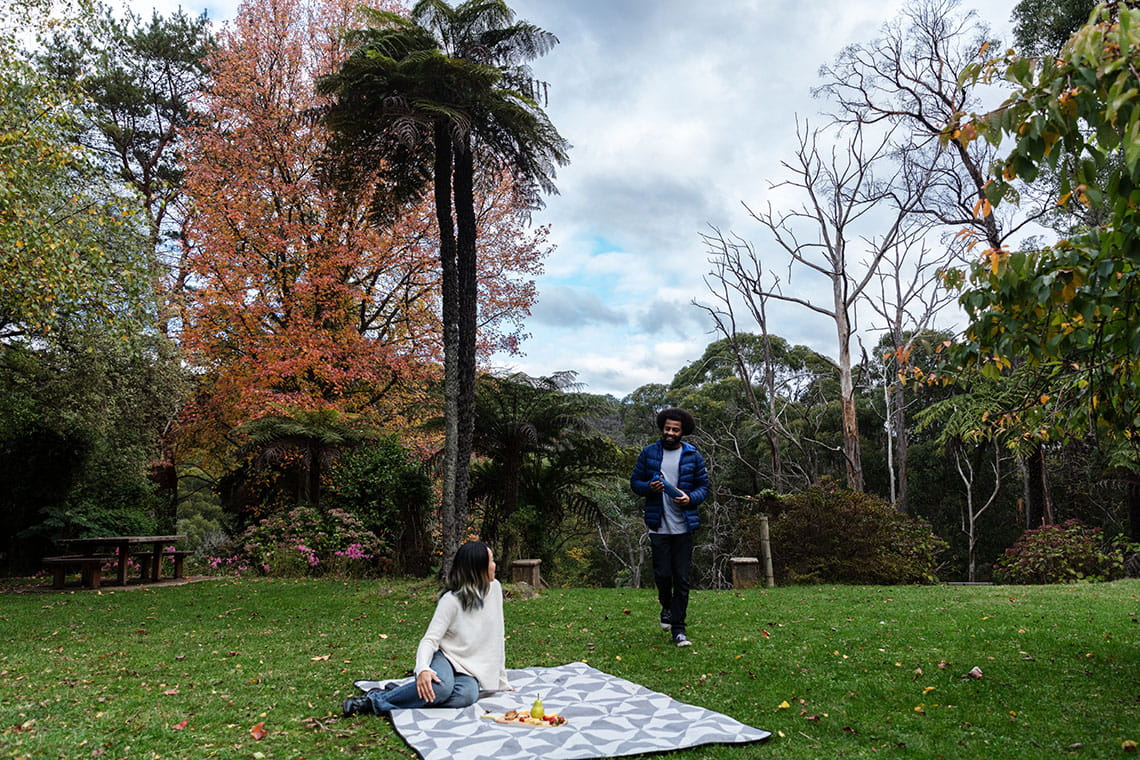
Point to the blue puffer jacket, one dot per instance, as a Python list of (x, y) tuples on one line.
[(693, 477)]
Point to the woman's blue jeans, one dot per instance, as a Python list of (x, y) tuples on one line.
[(453, 690)]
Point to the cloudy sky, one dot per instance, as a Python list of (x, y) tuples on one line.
[(679, 112)]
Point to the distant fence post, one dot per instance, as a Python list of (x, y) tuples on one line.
[(766, 552)]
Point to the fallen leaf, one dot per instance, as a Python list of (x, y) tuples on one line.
[(783, 705), (942, 665), (765, 634), (180, 725), (258, 731), (920, 710), (170, 692), (975, 672), (1128, 745), (320, 657)]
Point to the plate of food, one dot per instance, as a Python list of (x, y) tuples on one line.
[(535, 716)]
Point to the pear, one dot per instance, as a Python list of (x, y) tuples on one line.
[(536, 710)]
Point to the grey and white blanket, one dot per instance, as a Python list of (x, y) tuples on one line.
[(605, 716)]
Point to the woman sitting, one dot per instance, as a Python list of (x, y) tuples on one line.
[(463, 649)]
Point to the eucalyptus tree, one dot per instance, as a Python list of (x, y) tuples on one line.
[(427, 100), (855, 206), (912, 77), (753, 395)]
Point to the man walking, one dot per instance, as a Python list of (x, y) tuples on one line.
[(672, 477)]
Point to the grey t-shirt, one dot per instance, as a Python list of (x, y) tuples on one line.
[(673, 517)]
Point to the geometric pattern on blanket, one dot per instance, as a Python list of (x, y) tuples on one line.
[(606, 716)]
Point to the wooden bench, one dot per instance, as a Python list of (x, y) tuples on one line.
[(90, 568), (178, 556)]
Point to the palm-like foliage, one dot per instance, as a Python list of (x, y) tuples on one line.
[(432, 96), (541, 460), (316, 435)]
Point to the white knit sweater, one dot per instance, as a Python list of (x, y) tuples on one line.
[(472, 640)]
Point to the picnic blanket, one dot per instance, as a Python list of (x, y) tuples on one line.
[(605, 716)]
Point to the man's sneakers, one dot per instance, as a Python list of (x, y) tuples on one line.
[(679, 638)]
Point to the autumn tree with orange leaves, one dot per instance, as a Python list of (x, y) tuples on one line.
[(298, 299)]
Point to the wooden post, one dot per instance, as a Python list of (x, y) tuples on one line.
[(527, 571), (745, 572), (766, 552)]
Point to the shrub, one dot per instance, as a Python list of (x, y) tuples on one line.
[(301, 542), (1065, 553), (391, 494), (832, 535)]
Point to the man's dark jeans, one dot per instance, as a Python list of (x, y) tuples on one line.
[(672, 560)]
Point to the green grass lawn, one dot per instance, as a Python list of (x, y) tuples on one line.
[(833, 671)]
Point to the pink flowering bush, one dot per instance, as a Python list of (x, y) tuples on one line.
[(304, 541), (1065, 553)]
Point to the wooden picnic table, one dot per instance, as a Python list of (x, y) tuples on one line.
[(122, 546)]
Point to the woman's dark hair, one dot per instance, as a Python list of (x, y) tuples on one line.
[(688, 425), (467, 578)]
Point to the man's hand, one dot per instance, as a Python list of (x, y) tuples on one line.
[(656, 486), (424, 680), (681, 500)]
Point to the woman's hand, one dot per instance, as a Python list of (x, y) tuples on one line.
[(424, 680)]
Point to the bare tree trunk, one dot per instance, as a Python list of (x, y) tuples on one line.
[(890, 417), (901, 445), (972, 513), (851, 453)]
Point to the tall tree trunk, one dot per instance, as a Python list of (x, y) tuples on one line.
[(468, 315), (450, 287), (898, 425), (851, 452)]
